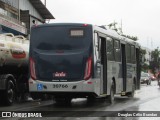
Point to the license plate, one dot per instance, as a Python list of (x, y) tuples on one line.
[(60, 86), (59, 74)]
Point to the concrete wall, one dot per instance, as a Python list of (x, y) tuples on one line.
[(26, 5), (13, 3)]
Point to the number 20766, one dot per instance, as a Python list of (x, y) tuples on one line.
[(60, 86)]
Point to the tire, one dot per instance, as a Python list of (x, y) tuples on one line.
[(9, 93), (131, 94), (148, 82), (111, 96)]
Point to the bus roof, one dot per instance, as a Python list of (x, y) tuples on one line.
[(107, 32), (62, 24), (114, 34)]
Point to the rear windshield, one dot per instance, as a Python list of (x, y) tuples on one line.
[(144, 75), (60, 38)]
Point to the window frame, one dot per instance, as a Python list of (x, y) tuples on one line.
[(117, 59), (110, 39), (128, 53), (133, 59)]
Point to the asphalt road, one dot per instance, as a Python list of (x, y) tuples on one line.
[(146, 99)]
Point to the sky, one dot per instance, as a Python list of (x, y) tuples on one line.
[(139, 18)]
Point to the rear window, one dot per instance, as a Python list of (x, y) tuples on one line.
[(60, 38), (144, 75)]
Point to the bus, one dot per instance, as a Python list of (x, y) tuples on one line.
[(75, 60)]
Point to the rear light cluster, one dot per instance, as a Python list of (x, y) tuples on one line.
[(85, 25), (88, 68), (32, 69)]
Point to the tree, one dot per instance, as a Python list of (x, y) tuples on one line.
[(155, 60), (144, 66)]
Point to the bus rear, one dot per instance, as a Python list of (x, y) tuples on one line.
[(61, 60)]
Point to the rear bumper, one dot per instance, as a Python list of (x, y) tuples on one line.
[(78, 88), (144, 81), (68, 94)]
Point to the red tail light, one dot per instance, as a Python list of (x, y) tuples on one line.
[(85, 25), (88, 69), (32, 69)]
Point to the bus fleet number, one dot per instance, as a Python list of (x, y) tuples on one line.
[(60, 86)]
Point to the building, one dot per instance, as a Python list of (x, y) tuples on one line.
[(17, 16)]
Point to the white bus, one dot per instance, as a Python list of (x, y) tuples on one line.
[(82, 60)]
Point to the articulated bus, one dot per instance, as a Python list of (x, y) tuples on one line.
[(73, 60)]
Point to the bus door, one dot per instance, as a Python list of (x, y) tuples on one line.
[(103, 60), (138, 70), (124, 69)]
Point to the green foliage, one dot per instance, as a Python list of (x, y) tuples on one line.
[(155, 60), (144, 66)]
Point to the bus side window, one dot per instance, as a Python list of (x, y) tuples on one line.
[(110, 50), (128, 53), (99, 48), (96, 45), (117, 50), (133, 55)]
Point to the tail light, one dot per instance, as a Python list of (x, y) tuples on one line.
[(85, 25), (88, 68), (32, 69)]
